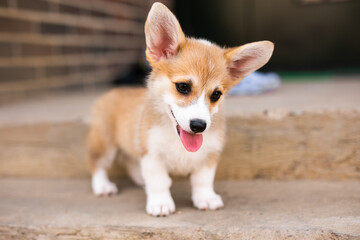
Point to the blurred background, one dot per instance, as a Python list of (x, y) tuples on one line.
[(309, 35), (48, 45)]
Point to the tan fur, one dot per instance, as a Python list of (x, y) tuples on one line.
[(212, 160), (96, 147), (113, 121)]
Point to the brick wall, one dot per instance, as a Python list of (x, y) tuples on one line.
[(47, 44)]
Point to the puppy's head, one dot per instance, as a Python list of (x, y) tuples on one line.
[(190, 77)]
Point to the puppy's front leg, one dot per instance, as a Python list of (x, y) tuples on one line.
[(157, 185), (202, 183)]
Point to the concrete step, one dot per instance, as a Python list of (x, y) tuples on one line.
[(304, 130), (66, 209)]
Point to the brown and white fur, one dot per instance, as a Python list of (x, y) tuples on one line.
[(144, 123)]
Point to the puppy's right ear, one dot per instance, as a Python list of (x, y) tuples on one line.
[(163, 34)]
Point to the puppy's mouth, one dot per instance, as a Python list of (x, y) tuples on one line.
[(192, 142)]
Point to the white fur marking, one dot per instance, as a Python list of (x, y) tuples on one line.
[(183, 162), (160, 204), (157, 185), (203, 194), (183, 115), (101, 184)]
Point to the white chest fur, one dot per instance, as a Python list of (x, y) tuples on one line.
[(165, 144)]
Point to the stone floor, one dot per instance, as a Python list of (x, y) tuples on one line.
[(66, 209)]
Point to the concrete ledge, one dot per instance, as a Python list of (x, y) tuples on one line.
[(309, 146), (66, 209), (303, 131)]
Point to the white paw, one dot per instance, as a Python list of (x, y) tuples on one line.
[(211, 201), (105, 189), (160, 206), (101, 186)]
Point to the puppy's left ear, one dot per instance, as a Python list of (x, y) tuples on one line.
[(243, 60), (163, 34)]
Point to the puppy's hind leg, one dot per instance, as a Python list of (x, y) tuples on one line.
[(101, 157), (101, 185)]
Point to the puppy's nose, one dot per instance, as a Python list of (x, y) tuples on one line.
[(197, 125)]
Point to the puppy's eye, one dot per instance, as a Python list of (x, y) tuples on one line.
[(183, 88), (215, 96)]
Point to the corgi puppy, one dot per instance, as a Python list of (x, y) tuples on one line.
[(176, 125)]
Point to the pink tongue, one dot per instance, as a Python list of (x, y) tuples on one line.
[(192, 142)]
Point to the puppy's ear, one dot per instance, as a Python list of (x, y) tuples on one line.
[(163, 33), (243, 60)]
